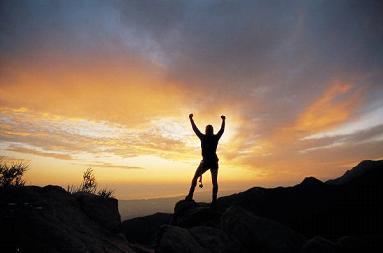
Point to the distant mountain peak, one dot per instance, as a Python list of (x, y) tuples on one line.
[(364, 167), (308, 181)]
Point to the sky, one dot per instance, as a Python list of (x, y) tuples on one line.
[(109, 85)]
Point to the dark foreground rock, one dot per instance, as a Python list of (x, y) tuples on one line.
[(49, 219), (235, 231), (214, 239), (175, 239), (341, 215), (349, 205), (319, 244), (361, 243), (190, 214), (143, 230), (259, 234), (102, 210)]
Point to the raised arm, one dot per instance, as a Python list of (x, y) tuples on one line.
[(220, 132), (195, 128)]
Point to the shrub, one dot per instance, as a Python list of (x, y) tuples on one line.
[(89, 182), (89, 185), (11, 173), (105, 193)]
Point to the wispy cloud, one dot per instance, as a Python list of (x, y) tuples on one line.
[(110, 165), (60, 137), (335, 106), (38, 152)]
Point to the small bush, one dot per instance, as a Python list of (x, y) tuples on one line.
[(89, 185), (89, 182), (105, 193), (11, 173)]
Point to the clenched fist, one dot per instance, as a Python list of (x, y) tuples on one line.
[(190, 115), (223, 117)]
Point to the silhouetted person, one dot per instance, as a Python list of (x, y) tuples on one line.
[(209, 143)]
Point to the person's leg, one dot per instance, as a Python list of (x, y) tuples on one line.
[(200, 170), (214, 179)]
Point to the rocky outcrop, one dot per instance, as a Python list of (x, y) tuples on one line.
[(175, 239), (216, 240), (190, 214), (235, 230), (366, 168), (143, 230), (49, 219), (325, 209), (102, 210), (258, 234), (309, 217)]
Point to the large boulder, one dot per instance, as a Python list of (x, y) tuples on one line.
[(173, 239), (258, 234), (215, 240), (144, 230), (188, 213), (49, 219), (103, 210)]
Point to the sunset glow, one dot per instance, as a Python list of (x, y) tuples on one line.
[(95, 84)]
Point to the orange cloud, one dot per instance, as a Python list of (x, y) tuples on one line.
[(100, 90), (336, 105), (278, 156)]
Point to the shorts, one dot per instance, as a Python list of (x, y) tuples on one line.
[(205, 165)]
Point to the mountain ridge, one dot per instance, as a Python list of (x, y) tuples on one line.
[(322, 212), (340, 215)]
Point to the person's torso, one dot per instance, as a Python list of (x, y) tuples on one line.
[(209, 147)]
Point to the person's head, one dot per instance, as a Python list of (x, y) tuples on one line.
[(209, 130)]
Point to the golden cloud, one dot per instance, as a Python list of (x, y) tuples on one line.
[(335, 106)]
